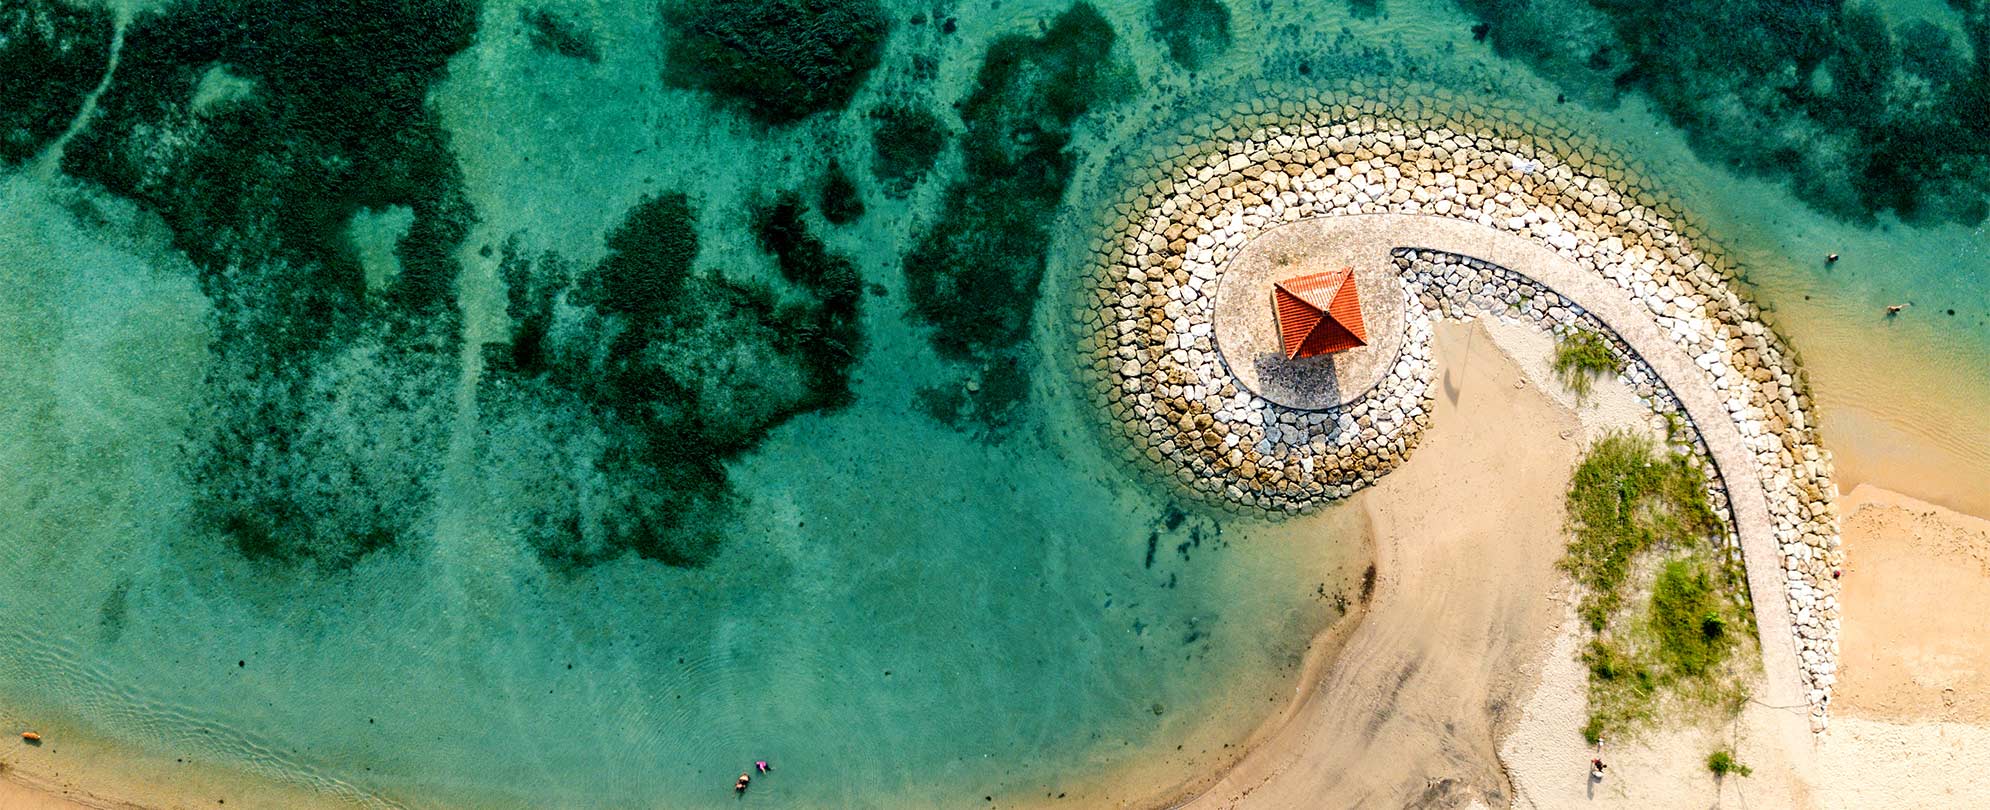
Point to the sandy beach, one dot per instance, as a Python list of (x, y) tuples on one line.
[(1410, 711), (70, 772), (26, 797), (1462, 688)]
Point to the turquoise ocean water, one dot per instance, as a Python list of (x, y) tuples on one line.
[(330, 459)]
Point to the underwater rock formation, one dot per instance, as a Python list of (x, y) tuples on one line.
[(842, 203), (625, 388), (1195, 31), (51, 55), (322, 424), (904, 145), (975, 275), (778, 61), (556, 34), (1859, 114)]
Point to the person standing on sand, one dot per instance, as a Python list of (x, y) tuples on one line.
[(1596, 769)]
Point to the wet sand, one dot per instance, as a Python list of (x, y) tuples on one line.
[(18, 796), (76, 769)]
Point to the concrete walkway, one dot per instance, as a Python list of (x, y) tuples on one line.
[(1370, 239)]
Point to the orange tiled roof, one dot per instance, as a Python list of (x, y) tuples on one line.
[(1319, 314)]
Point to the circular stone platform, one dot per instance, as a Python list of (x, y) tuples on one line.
[(1246, 330)]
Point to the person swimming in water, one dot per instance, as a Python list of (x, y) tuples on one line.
[(762, 765), (740, 786)]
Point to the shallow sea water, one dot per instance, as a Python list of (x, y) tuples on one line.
[(905, 613)]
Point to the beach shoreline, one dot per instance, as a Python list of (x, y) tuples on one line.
[(71, 769)]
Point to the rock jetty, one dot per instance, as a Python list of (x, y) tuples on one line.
[(1147, 316)]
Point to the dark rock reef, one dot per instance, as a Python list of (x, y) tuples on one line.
[(555, 33), (975, 275), (51, 56), (326, 410), (1859, 114), (610, 414), (905, 142), (778, 61), (1195, 31)]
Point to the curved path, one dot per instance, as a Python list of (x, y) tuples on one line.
[(1371, 239)]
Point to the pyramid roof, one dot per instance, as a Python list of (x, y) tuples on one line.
[(1319, 313)]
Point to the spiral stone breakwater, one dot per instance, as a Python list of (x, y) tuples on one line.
[(1473, 222)]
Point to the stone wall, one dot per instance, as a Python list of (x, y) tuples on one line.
[(1448, 285)]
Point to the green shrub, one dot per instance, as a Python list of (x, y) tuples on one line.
[(1686, 616), (1678, 648), (1722, 763), (1592, 728), (1580, 357), (1623, 499)]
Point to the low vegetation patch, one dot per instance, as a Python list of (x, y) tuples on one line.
[(1626, 499), (1686, 616), (1723, 763), (1670, 617), (1581, 357)]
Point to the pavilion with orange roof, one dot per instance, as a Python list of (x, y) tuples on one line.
[(1318, 314)]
